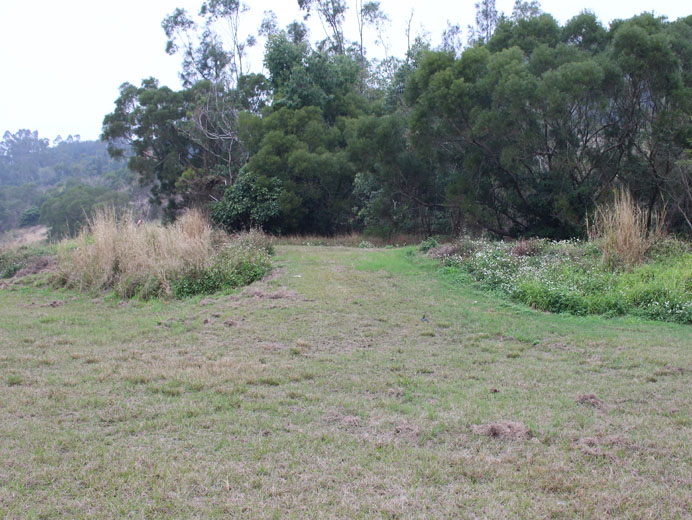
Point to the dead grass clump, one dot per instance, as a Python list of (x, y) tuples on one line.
[(117, 252), (509, 430), (36, 265), (530, 247), (444, 251), (670, 371), (624, 231), (114, 251)]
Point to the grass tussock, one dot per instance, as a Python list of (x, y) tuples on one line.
[(115, 252), (624, 231)]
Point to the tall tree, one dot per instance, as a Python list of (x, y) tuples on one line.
[(524, 10), (21, 156), (331, 14), (368, 14), (213, 49), (486, 21)]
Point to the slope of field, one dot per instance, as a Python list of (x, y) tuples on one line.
[(352, 383)]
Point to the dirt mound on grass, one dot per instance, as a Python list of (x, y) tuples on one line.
[(590, 400), (36, 265), (597, 446), (509, 430)]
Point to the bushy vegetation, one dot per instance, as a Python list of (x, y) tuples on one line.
[(427, 244), (11, 261), (149, 260), (68, 211), (570, 276), (29, 217), (252, 202)]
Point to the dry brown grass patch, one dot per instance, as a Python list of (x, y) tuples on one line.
[(115, 251), (36, 265), (596, 446), (526, 248), (23, 237), (624, 231), (148, 260)]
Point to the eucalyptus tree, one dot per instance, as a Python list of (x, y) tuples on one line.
[(213, 48), (146, 125), (487, 18), (331, 14)]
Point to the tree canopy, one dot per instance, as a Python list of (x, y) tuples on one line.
[(519, 133)]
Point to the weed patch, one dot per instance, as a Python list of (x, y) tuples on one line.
[(570, 277)]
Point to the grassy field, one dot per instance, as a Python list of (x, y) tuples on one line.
[(321, 392)]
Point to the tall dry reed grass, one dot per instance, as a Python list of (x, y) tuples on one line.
[(116, 252), (623, 230)]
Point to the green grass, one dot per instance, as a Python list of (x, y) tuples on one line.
[(320, 392)]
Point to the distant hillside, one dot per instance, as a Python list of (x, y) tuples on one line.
[(34, 172)]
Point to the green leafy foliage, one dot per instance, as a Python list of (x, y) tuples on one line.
[(427, 244), (252, 202), (522, 133), (300, 150), (29, 216), (236, 265), (68, 211), (535, 126)]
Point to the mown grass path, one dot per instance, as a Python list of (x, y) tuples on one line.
[(321, 393)]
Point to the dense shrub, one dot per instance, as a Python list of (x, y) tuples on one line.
[(149, 260), (10, 263), (252, 201), (67, 212), (29, 217), (427, 244)]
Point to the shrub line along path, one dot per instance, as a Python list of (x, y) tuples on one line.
[(320, 392)]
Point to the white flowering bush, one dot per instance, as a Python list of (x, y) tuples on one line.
[(569, 276)]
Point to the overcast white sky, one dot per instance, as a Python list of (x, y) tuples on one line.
[(62, 62)]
